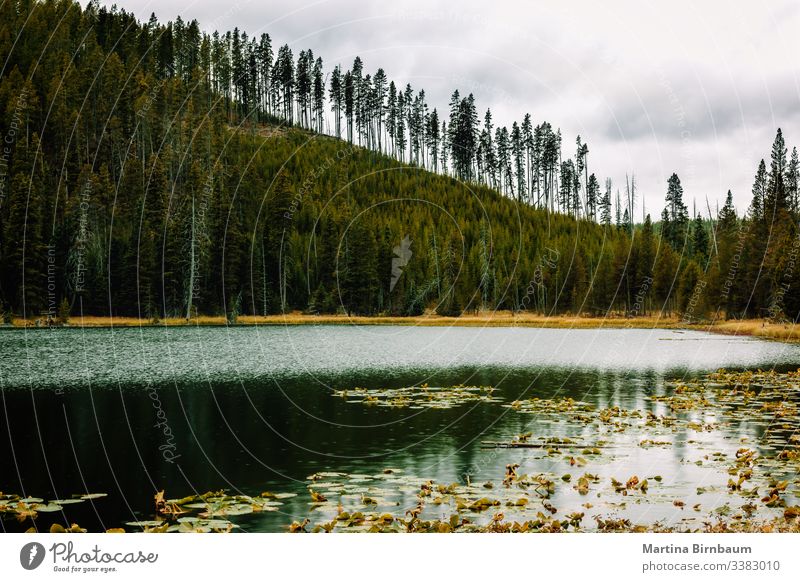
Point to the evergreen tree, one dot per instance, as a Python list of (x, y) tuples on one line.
[(592, 197), (318, 96), (675, 228), (775, 200), (518, 151), (336, 96), (605, 205), (759, 193), (730, 242), (793, 182)]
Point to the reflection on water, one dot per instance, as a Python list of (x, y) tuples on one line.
[(130, 412)]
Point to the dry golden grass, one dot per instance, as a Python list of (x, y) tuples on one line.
[(487, 319), (484, 319), (749, 327), (102, 321), (758, 328), (88, 321)]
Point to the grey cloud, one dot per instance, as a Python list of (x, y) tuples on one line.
[(670, 107)]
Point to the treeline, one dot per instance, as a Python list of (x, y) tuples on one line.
[(154, 170), (256, 81)]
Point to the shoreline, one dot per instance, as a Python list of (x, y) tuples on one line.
[(758, 328)]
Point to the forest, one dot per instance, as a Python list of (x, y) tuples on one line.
[(157, 170)]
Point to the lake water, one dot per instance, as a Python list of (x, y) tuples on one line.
[(131, 411)]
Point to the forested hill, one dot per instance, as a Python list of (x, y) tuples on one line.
[(148, 170)]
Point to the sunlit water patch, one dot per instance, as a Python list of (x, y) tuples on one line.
[(98, 357)]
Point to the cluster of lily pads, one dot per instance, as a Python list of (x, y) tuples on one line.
[(763, 488), (767, 475), (206, 513), (559, 407), (391, 501), (23, 508), (613, 419), (418, 397)]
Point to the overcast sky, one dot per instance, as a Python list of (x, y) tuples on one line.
[(697, 88)]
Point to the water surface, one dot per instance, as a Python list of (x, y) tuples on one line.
[(133, 411)]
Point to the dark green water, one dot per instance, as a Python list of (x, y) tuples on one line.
[(129, 412)]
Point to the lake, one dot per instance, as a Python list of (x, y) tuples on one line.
[(131, 411)]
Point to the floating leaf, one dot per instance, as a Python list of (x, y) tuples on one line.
[(47, 508)]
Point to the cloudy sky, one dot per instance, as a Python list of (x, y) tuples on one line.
[(697, 88)]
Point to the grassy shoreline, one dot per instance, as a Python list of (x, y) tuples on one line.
[(739, 327)]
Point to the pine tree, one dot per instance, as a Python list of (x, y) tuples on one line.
[(759, 191), (605, 205), (592, 197), (304, 86), (318, 96), (753, 282), (378, 107), (581, 167), (726, 221), (565, 195), (779, 263), (793, 182), (518, 151), (336, 96), (264, 57), (730, 242), (349, 104), (675, 229), (432, 139), (528, 143), (775, 200), (283, 76)]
